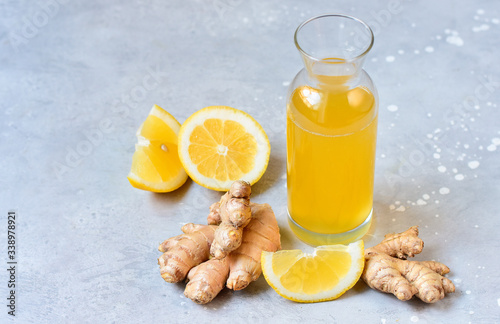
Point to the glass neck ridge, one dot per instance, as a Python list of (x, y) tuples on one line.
[(333, 71)]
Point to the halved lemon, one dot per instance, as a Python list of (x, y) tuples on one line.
[(155, 164), (324, 275), (219, 144)]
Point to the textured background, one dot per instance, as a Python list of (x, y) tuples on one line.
[(78, 77)]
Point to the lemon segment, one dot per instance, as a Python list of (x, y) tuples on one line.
[(155, 163), (324, 275), (220, 144)]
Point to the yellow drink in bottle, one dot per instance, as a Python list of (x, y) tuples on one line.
[(332, 110), (330, 169)]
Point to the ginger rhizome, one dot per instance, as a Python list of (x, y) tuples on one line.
[(239, 230), (185, 251), (206, 280), (233, 213), (386, 269), (261, 234)]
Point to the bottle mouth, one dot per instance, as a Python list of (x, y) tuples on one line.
[(333, 38)]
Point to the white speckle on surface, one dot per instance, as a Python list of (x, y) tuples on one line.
[(390, 58), (392, 108), (473, 164), (382, 156), (454, 170), (374, 59), (498, 302), (429, 49), (401, 208), (421, 202), (283, 176), (414, 319), (438, 37), (397, 202), (416, 52), (382, 320), (437, 215), (286, 83), (436, 155), (476, 226), (495, 141), (480, 11), (459, 177), (429, 135), (426, 196), (458, 280), (471, 312), (392, 207), (483, 27), (183, 303), (401, 52), (496, 21), (468, 292), (454, 39), (444, 191), (491, 147), (393, 219), (429, 115)]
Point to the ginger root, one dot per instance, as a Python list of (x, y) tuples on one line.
[(233, 213), (261, 234), (240, 267), (236, 261), (386, 269), (206, 280), (185, 251)]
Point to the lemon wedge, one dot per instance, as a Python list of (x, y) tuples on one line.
[(324, 275), (155, 163), (220, 144)]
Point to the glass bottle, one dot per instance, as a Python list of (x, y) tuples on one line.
[(332, 111)]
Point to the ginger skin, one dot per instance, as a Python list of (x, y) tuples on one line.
[(241, 266), (261, 234), (237, 235), (185, 251), (233, 213), (206, 280), (386, 269)]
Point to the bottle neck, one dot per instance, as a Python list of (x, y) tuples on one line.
[(334, 71)]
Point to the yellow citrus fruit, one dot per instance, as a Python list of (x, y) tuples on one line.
[(324, 275), (219, 144), (155, 164)]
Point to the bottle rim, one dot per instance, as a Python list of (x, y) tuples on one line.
[(365, 25)]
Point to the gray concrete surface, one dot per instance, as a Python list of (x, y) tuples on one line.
[(77, 79)]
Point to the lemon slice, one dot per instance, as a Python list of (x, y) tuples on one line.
[(219, 144), (324, 275), (155, 164)]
